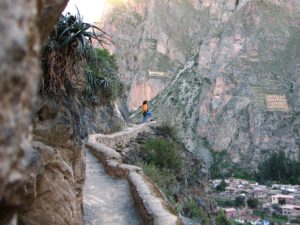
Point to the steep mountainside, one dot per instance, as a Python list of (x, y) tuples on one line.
[(225, 73)]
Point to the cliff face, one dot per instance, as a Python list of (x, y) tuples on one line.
[(53, 193), (225, 73)]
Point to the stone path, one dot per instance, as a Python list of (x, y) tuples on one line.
[(107, 200)]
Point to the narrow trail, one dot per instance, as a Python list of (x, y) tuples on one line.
[(107, 200)]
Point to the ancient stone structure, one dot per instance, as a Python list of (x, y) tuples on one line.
[(276, 103)]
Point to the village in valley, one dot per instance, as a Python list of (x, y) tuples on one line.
[(246, 202)]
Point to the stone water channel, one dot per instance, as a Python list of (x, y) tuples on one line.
[(107, 200)]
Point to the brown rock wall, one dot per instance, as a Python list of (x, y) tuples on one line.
[(54, 192), (48, 15), (53, 195)]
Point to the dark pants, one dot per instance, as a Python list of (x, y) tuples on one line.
[(146, 116)]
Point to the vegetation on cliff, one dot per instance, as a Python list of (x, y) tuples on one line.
[(174, 170), (222, 167), (67, 49), (160, 157), (161, 153), (103, 83), (69, 53)]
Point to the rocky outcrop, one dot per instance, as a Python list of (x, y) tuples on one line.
[(57, 169), (49, 12), (225, 73), (19, 76), (105, 119), (152, 44)]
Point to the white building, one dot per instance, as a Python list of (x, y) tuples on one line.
[(287, 199)]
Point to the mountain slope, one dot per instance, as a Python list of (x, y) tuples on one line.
[(225, 73)]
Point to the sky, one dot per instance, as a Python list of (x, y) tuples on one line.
[(90, 10)]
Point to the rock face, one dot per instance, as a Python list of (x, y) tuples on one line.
[(48, 15), (225, 73), (19, 72), (57, 166), (105, 119)]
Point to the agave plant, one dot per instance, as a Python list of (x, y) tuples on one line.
[(68, 47), (74, 30)]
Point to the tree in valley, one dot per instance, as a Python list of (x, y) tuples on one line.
[(239, 201), (252, 203)]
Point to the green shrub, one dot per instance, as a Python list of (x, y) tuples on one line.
[(221, 165), (191, 209), (103, 59), (222, 220), (242, 174), (225, 202), (206, 143), (103, 83), (207, 80), (162, 154), (222, 186), (168, 130), (239, 201), (163, 178), (252, 203)]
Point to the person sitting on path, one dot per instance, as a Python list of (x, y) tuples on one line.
[(146, 113)]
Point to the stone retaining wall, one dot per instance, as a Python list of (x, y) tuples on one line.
[(153, 206), (121, 139)]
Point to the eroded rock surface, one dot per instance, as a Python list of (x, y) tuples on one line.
[(49, 12), (57, 169)]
